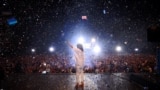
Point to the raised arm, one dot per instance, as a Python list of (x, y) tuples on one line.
[(69, 44)]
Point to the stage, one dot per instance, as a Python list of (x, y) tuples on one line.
[(105, 81)]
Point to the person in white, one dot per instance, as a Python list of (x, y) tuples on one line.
[(79, 58)]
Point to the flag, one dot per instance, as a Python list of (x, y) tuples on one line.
[(84, 17), (12, 21)]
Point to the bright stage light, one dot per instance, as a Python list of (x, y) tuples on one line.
[(51, 49), (136, 49), (33, 50), (93, 40), (118, 48), (96, 49), (81, 40)]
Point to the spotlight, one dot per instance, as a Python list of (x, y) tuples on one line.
[(51, 49), (96, 49), (136, 49), (93, 40), (118, 48), (33, 50), (81, 40)]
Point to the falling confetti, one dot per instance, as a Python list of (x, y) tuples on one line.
[(44, 23)]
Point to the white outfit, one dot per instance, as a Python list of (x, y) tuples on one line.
[(79, 57)]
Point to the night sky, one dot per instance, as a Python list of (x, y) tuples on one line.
[(44, 23)]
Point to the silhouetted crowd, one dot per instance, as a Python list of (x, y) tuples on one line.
[(62, 64)]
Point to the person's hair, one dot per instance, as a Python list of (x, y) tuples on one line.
[(80, 47)]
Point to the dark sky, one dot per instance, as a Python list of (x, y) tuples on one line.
[(44, 23)]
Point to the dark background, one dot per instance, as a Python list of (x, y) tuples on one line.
[(43, 23)]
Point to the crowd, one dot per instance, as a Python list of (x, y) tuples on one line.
[(64, 64)]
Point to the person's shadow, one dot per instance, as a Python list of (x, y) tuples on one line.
[(79, 87)]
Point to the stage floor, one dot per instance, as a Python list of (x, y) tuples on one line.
[(114, 81)]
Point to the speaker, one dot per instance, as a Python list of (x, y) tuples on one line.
[(153, 33)]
